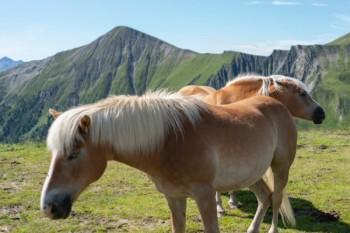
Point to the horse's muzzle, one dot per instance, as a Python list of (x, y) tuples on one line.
[(318, 115), (57, 206)]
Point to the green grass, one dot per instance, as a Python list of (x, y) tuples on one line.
[(197, 69), (124, 200)]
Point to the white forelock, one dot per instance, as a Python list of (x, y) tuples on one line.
[(127, 123)]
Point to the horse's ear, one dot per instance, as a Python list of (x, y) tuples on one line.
[(54, 113), (84, 125)]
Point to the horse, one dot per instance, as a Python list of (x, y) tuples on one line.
[(290, 91), (187, 147)]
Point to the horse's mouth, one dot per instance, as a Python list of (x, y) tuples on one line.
[(318, 121), (318, 115), (58, 207), (64, 214)]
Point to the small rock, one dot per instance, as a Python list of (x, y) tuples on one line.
[(121, 223), (15, 162)]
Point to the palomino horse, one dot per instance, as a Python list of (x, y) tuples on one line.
[(188, 148), (290, 91)]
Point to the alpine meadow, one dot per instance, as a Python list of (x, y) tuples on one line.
[(132, 133)]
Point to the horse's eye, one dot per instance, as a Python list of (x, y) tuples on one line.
[(303, 94), (73, 155)]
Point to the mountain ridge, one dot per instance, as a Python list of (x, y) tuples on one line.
[(127, 61), (7, 63)]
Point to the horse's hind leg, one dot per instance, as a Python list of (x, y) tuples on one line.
[(233, 202), (178, 213), (280, 179), (220, 210), (263, 195)]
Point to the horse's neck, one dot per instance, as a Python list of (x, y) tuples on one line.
[(147, 163)]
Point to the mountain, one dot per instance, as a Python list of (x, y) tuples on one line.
[(127, 61), (7, 63), (343, 40)]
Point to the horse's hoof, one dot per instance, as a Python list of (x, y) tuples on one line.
[(273, 230), (234, 205), (250, 230), (220, 214), (220, 211)]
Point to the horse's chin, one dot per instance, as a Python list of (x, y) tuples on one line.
[(317, 121), (64, 216)]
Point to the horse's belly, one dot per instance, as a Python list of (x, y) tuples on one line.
[(234, 172)]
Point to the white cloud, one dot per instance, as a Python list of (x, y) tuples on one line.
[(286, 3), (319, 4), (255, 2)]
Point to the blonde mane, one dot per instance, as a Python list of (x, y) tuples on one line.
[(267, 81), (128, 123)]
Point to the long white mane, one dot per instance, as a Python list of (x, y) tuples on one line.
[(267, 81), (128, 123)]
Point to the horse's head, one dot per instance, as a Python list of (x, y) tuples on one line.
[(75, 164), (295, 96)]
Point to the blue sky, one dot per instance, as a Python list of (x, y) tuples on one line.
[(35, 29)]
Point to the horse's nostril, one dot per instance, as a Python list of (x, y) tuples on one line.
[(320, 113)]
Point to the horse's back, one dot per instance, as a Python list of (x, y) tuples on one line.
[(196, 90)]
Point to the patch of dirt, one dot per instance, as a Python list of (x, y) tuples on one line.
[(323, 147), (196, 218), (121, 223), (11, 211), (15, 162), (10, 187), (4, 229)]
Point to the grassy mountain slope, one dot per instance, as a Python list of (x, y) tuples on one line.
[(123, 61), (126, 61), (343, 40)]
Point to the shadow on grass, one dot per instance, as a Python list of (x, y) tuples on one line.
[(308, 217)]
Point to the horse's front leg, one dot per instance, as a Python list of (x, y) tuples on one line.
[(178, 213), (204, 195)]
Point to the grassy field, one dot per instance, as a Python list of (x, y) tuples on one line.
[(124, 200)]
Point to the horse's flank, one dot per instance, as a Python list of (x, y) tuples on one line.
[(128, 123)]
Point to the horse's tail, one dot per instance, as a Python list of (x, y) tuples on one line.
[(285, 210)]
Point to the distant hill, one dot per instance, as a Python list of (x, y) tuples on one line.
[(127, 61), (7, 63), (343, 40)]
